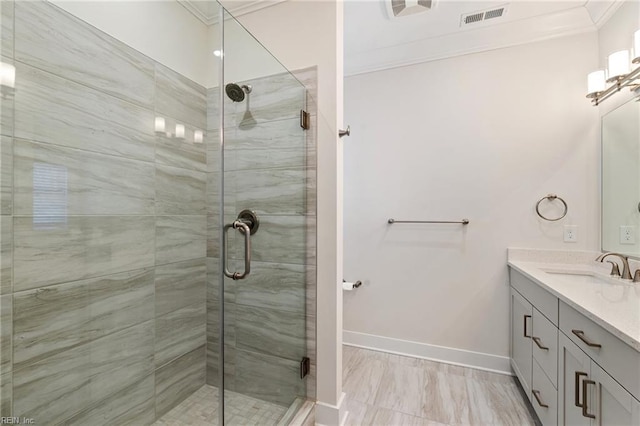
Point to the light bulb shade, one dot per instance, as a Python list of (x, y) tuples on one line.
[(198, 136), (159, 124), (180, 131), (596, 82), (636, 47), (618, 65), (7, 75)]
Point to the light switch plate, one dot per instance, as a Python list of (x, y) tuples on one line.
[(571, 233), (627, 234)]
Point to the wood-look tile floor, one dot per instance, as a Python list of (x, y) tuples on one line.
[(391, 390)]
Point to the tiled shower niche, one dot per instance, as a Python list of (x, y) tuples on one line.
[(109, 231)]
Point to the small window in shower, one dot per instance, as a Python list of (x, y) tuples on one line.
[(49, 196)]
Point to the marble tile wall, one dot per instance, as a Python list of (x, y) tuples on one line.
[(103, 226), (270, 169)]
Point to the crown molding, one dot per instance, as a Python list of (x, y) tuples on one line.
[(242, 8), (540, 28), (600, 11)]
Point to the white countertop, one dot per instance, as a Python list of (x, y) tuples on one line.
[(614, 305)]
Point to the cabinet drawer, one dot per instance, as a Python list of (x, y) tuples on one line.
[(544, 393), (617, 358), (545, 335), (544, 301)]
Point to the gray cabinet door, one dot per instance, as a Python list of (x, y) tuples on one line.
[(521, 351), (574, 366), (611, 403)]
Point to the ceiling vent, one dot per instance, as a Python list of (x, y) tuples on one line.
[(400, 8), (484, 15)]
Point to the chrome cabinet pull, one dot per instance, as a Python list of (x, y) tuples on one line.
[(244, 229), (525, 326), (585, 409), (577, 388), (536, 394), (584, 338), (539, 343)]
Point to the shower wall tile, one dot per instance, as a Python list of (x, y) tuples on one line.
[(268, 378), (180, 238), (180, 98), (134, 405), (275, 286), (82, 182), (49, 38), (6, 398), (213, 236), (276, 97), (66, 383), (213, 360), (6, 329), (213, 282), (179, 379), (213, 194), (270, 331), (180, 191), (179, 285), (56, 249), (6, 254), (182, 153), (273, 144), (212, 146), (6, 175), (213, 108), (179, 332), (58, 111), (50, 320), (213, 321), (6, 28), (282, 239), (272, 191)]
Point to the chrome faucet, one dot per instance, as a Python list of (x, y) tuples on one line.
[(626, 270)]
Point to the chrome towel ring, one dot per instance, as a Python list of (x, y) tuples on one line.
[(552, 197)]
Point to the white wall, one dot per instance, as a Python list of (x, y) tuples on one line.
[(482, 136), (301, 34), (163, 30)]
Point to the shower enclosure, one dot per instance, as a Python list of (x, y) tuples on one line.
[(157, 227)]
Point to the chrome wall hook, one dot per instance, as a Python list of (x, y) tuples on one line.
[(347, 132)]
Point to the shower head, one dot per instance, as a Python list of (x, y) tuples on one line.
[(236, 92)]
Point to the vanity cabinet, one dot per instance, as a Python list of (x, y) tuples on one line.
[(573, 371), (589, 396), (521, 351)]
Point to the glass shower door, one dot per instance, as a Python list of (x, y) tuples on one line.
[(267, 233)]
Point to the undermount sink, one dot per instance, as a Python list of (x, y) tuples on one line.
[(585, 277)]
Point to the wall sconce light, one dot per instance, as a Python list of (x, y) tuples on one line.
[(7, 75), (619, 73), (198, 136), (160, 125), (618, 65), (180, 131)]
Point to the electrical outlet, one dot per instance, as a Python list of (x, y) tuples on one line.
[(571, 233), (627, 235)]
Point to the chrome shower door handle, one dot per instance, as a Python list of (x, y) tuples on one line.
[(243, 228)]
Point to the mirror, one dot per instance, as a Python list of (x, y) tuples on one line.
[(621, 179)]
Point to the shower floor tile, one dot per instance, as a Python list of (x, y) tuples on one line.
[(201, 409)]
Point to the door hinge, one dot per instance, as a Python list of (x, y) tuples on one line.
[(304, 119), (305, 367)]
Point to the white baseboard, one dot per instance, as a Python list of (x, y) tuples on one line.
[(478, 360), (331, 415)]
